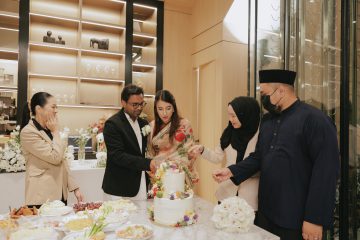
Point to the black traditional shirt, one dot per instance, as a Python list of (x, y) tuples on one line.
[(297, 154)]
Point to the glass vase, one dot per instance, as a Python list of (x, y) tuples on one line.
[(81, 154)]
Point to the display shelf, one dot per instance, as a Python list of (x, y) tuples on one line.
[(149, 108), (9, 14), (102, 67), (9, 20), (147, 80), (145, 27), (101, 53), (9, 29), (9, 54), (143, 12), (40, 26), (64, 90), (87, 106), (94, 77), (90, 91), (11, 6), (98, 26), (48, 61), (105, 80), (55, 20), (144, 56), (142, 67), (4, 86), (49, 76), (64, 9), (104, 12), (141, 39), (53, 47)]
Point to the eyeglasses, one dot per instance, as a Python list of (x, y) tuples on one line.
[(137, 105)]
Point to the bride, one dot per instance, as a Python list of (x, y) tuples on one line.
[(171, 135)]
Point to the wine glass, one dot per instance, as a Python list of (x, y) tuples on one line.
[(72, 99), (99, 70), (58, 98), (33, 91), (107, 71), (65, 98), (88, 68), (113, 72)]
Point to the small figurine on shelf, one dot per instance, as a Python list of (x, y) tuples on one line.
[(137, 54), (102, 43), (62, 42), (48, 38)]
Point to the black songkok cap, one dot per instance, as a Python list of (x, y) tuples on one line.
[(277, 76)]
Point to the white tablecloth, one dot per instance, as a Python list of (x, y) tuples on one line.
[(90, 179), (204, 229), (12, 185)]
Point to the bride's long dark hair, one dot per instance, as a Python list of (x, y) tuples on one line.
[(166, 96)]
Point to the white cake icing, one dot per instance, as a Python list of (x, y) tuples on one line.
[(170, 212), (174, 182)]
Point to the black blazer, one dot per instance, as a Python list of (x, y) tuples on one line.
[(125, 161)]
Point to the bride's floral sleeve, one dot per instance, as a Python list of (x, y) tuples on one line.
[(185, 136)]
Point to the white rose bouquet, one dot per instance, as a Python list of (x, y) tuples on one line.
[(11, 158), (234, 214), (69, 153), (101, 159)]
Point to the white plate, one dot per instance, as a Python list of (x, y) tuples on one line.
[(112, 227), (73, 236), (66, 220), (131, 225), (58, 212), (35, 234)]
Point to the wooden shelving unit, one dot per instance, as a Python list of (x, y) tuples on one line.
[(81, 75), (86, 79), (144, 51), (9, 55)]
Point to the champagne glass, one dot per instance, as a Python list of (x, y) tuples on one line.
[(113, 72), (65, 98)]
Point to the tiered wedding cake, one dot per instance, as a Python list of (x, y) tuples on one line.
[(173, 198)]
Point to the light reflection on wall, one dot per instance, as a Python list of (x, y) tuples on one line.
[(236, 21)]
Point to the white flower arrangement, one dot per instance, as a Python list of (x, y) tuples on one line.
[(84, 136), (95, 130), (64, 134), (234, 214), (69, 153), (101, 159), (146, 130), (11, 158), (100, 138)]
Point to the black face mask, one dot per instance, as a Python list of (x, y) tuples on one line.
[(271, 108)]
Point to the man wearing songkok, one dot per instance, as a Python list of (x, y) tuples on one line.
[(298, 157)]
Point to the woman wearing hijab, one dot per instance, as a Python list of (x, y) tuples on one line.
[(236, 142)]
